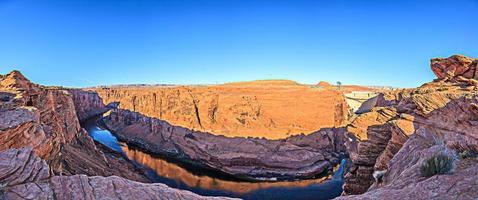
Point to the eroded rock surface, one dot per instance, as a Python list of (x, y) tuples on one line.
[(302, 156), (23, 175), (454, 67), (45, 118), (406, 127), (271, 109)]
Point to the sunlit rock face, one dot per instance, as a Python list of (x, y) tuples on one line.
[(454, 67), (34, 181), (409, 126), (301, 156), (270, 109)]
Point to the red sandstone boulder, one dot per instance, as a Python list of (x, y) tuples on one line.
[(457, 65)]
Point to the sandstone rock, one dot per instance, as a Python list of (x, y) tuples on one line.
[(45, 119), (302, 156), (272, 109), (403, 179), (25, 176), (443, 109), (323, 84), (454, 66), (87, 103)]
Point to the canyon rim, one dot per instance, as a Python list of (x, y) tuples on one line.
[(238, 99)]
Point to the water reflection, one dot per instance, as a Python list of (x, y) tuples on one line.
[(174, 172), (213, 184)]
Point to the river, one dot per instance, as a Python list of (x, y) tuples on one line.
[(206, 182)]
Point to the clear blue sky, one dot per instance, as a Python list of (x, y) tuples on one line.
[(98, 42)]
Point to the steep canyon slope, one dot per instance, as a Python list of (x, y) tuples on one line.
[(406, 127), (44, 121), (300, 156), (272, 109)]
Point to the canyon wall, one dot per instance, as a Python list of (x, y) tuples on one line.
[(301, 156), (87, 103), (45, 119), (406, 127), (270, 109)]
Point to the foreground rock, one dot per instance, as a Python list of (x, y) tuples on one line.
[(406, 127), (45, 118), (302, 156), (273, 109), (25, 176), (403, 179)]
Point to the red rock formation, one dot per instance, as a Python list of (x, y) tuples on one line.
[(447, 127), (455, 66), (301, 156), (45, 118), (87, 103), (408, 126), (271, 109), (25, 176), (323, 84)]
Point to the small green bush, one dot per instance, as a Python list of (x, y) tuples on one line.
[(439, 164)]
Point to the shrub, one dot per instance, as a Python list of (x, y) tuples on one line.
[(438, 164)]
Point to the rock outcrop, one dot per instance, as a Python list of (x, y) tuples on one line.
[(272, 109), (88, 104), (446, 129), (406, 127), (45, 118), (301, 156), (23, 175), (455, 67)]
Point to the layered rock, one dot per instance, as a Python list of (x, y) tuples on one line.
[(45, 118), (407, 126), (437, 136), (302, 156), (25, 176), (455, 67), (273, 109), (88, 104)]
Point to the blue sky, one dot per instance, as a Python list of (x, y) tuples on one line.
[(374, 42)]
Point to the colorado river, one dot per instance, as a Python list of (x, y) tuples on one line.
[(179, 175)]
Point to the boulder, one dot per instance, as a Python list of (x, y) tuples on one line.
[(454, 66)]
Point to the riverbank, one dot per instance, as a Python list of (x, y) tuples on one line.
[(214, 183)]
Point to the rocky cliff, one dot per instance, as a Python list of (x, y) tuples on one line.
[(25, 176), (406, 127), (88, 104), (301, 156), (271, 109), (45, 118)]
